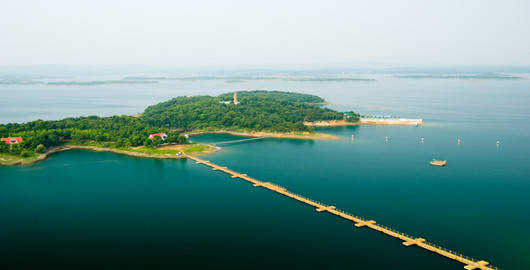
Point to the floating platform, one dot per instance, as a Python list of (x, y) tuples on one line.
[(438, 162)]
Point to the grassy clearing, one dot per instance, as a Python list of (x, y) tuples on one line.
[(195, 148), (199, 148), (148, 150), (9, 159), (188, 149)]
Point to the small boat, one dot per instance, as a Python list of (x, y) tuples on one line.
[(435, 162)]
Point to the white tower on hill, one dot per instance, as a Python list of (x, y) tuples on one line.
[(235, 98)]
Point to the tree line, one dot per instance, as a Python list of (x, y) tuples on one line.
[(121, 131)]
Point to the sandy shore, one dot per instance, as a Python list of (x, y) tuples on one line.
[(397, 122), (301, 136), (331, 123), (367, 121)]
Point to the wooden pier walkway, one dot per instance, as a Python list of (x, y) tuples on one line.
[(408, 240), (237, 141)]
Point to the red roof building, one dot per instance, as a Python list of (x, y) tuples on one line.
[(162, 136), (12, 140)]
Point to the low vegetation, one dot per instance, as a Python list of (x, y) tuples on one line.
[(11, 159), (192, 148)]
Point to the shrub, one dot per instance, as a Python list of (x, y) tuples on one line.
[(15, 149), (40, 149), (25, 153), (4, 148)]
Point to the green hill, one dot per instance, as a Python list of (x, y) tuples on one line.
[(257, 111)]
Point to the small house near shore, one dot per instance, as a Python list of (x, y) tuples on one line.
[(12, 140), (162, 136)]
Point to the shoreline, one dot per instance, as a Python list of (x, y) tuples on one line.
[(331, 123), (274, 135), (44, 156), (395, 121), (257, 134), (211, 149), (367, 122)]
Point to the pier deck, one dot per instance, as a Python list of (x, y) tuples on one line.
[(408, 240), (238, 141)]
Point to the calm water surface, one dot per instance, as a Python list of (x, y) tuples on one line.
[(82, 209)]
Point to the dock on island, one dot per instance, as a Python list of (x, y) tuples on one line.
[(390, 121)]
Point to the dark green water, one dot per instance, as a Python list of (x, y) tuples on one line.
[(82, 209)]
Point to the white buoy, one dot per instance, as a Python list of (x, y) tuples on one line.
[(422, 139), (458, 141), (498, 142)]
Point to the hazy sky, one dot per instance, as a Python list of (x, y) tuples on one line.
[(215, 33)]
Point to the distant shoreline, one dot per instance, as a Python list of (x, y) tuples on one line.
[(75, 83)]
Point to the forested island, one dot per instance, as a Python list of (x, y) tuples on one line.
[(255, 110), (167, 123)]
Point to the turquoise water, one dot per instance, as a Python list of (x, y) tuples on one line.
[(86, 209)]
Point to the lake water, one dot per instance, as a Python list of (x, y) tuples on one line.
[(82, 209)]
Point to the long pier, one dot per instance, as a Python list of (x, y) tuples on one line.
[(237, 141), (469, 263)]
